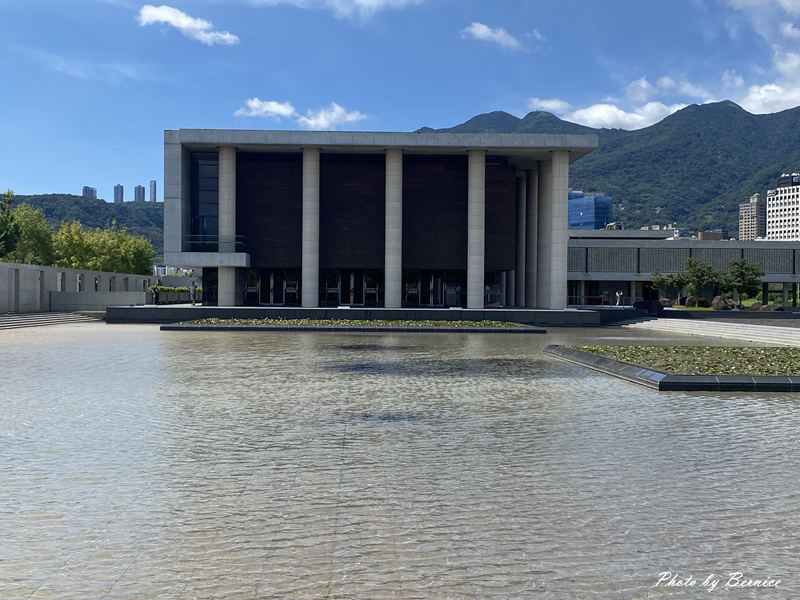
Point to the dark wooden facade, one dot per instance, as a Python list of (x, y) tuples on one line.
[(352, 204), (269, 208), (352, 208)]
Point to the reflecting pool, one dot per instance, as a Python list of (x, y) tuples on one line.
[(146, 464)]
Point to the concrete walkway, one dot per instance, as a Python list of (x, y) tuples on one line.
[(763, 334), (15, 321)]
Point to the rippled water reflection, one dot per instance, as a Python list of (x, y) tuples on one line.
[(147, 464)]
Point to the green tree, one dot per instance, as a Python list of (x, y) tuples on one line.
[(745, 277), (110, 249), (35, 244), (71, 246), (665, 283), (9, 229), (699, 275)]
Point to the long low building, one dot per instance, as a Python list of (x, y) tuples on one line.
[(371, 219), (601, 263)]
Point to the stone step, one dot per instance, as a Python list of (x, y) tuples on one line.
[(782, 336), (15, 321)]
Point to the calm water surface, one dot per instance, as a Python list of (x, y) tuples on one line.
[(144, 464)]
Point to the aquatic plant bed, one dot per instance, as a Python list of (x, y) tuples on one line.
[(215, 324), (691, 368)]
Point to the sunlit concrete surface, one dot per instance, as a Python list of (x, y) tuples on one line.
[(146, 464)]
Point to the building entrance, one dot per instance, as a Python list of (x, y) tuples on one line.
[(279, 287), (350, 287), (434, 288)]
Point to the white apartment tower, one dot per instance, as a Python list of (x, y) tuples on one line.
[(153, 191), (783, 209)]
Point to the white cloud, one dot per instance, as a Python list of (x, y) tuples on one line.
[(555, 105), (687, 88), (346, 9), (610, 115), (771, 97), (787, 64), (535, 34), (192, 27), (113, 71), (255, 107), (790, 32), (731, 79), (495, 35), (330, 117), (640, 90), (666, 83)]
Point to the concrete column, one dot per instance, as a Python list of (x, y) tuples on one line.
[(227, 199), (511, 291), (531, 237), (393, 253), (476, 218), (552, 242), (310, 263), (503, 284), (764, 293), (582, 292), (786, 295), (226, 286), (519, 270)]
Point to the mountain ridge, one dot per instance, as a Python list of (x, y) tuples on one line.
[(693, 167)]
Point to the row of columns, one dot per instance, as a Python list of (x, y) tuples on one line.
[(539, 279)]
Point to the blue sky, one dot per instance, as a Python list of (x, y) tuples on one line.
[(90, 85)]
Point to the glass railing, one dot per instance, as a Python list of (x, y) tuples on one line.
[(214, 243)]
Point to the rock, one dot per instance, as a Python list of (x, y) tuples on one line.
[(691, 301), (667, 302), (770, 307), (720, 303), (756, 306)]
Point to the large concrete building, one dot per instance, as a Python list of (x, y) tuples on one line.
[(138, 193), (371, 219), (601, 263), (783, 209), (89, 192), (119, 194), (153, 188)]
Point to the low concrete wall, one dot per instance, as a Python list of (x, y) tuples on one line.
[(31, 288), (167, 314), (70, 301)]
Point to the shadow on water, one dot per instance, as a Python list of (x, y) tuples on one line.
[(462, 367), (373, 348), (387, 417)]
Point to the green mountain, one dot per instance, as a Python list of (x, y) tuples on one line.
[(692, 168), (139, 218)]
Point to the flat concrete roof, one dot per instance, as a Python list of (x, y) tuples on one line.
[(683, 243), (534, 146), (621, 234)]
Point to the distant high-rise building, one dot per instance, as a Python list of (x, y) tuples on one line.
[(138, 193), (589, 211), (753, 218), (153, 191), (89, 193), (783, 209), (119, 194)]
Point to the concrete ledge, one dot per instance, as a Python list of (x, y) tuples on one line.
[(176, 314), (666, 382), (194, 327)]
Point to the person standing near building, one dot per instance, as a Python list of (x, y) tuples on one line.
[(193, 292), (619, 297)]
